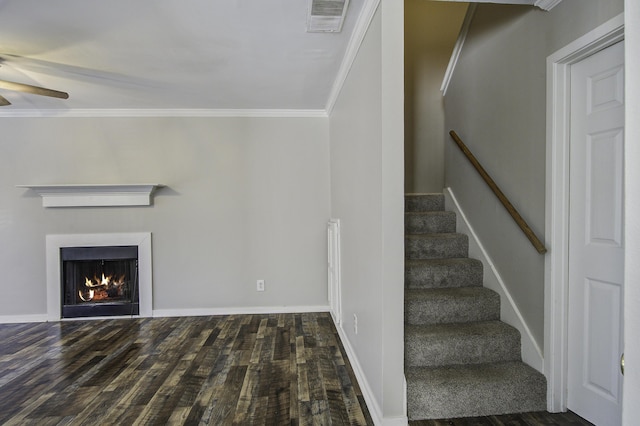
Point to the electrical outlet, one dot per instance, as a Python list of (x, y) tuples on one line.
[(355, 323), (260, 285)]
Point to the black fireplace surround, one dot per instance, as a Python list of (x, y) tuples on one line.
[(99, 281)]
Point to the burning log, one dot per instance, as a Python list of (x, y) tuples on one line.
[(101, 288), (89, 296)]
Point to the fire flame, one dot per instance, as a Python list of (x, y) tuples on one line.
[(104, 281), (101, 288)]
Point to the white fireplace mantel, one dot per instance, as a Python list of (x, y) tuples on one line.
[(72, 195)]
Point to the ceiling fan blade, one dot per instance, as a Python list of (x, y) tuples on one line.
[(27, 88), (4, 101)]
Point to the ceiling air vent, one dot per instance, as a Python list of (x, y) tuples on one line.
[(326, 16)]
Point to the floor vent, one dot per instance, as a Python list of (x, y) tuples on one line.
[(326, 16)]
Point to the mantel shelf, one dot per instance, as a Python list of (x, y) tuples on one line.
[(72, 195)]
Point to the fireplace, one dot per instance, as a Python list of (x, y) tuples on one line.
[(99, 275), (99, 281)]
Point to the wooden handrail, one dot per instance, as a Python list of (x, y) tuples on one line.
[(503, 199)]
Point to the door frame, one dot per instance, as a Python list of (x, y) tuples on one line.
[(557, 202)]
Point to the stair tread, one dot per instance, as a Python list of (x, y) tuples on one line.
[(429, 222), (443, 273), (440, 293), (461, 344), (493, 371), (474, 390), (438, 235), (477, 328), (446, 305), (432, 213), (441, 262), (436, 246)]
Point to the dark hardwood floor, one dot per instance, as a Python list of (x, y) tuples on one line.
[(222, 370), (525, 419)]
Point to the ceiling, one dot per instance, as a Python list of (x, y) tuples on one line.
[(169, 54), (222, 55)]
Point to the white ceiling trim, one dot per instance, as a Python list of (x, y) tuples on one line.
[(357, 37), (276, 113), (542, 4), (457, 49), (522, 2), (547, 4)]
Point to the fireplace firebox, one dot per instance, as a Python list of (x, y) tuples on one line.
[(99, 281)]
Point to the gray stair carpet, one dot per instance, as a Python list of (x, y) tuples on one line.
[(460, 359)]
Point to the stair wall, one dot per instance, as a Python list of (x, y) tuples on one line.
[(531, 351)]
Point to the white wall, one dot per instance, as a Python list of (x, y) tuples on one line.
[(496, 103), (630, 406), (247, 198), (366, 133), (431, 30)]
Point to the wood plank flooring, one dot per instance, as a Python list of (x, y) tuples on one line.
[(524, 419), (220, 370)]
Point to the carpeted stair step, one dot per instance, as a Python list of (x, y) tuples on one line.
[(436, 246), (466, 343), (423, 202), (460, 360), (474, 390), (429, 222), (434, 273), (451, 305)]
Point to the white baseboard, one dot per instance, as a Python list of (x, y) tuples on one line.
[(367, 393), (252, 310), (509, 312), (13, 319)]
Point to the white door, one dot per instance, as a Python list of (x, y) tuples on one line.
[(596, 246)]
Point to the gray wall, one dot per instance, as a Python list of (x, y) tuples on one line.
[(496, 102), (247, 198), (367, 196), (431, 30)]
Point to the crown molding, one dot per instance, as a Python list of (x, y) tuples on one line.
[(546, 4), (357, 37), (186, 112), (457, 48)]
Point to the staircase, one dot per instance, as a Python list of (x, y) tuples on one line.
[(460, 359)]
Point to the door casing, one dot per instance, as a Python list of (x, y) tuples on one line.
[(557, 202)]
